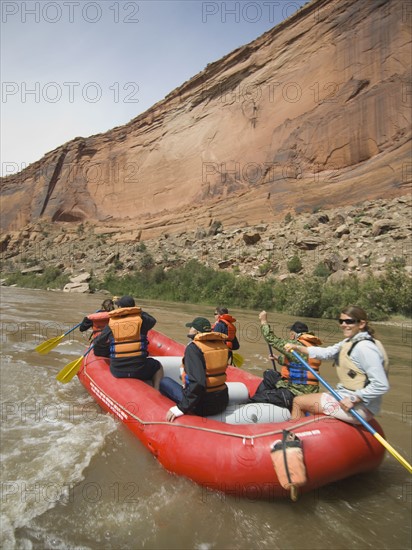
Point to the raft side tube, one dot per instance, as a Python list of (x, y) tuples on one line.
[(252, 413), (238, 411), (171, 366)]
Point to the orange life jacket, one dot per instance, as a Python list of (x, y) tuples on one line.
[(125, 324), (229, 321), (216, 354), (295, 372), (99, 320)]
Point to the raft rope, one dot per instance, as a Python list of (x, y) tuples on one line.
[(244, 437)]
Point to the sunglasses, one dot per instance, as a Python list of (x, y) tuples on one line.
[(347, 321), (216, 313)]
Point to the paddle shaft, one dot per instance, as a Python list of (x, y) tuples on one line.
[(370, 429), (271, 353), (88, 351), (72, 329)]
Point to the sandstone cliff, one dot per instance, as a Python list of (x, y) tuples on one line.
[(315, 113)]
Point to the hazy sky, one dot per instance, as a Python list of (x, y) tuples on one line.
[(78, 68)]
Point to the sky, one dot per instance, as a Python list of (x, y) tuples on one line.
[(75, 68)]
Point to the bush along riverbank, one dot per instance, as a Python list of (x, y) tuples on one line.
[(308, 263), (314, 296)]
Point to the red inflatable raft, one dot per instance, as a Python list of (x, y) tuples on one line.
[(231, 453)]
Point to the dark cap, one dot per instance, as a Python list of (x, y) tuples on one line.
[(125, 301), (299, 327), (201, 324)]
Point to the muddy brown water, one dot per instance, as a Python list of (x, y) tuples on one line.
[(74, 477)]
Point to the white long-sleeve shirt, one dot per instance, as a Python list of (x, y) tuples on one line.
[(368, 358)]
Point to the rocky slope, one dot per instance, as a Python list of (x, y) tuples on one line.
[(357, 240), (313, 114)]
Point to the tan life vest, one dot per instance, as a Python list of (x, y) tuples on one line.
[(295, 372), (99, 320), (125, 324), (351, 376), (216, 354)]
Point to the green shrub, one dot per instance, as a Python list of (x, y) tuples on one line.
[(265, 268), (390, 294), (52, 277), (294, 265), (146, 261), (321, 270), (310, 297)]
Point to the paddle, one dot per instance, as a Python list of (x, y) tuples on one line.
[(48, 345), (271, 353), (382, 441), (238, 359), (71, 369)]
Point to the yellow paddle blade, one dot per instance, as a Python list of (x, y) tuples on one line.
[(394, 453), (238, 359), (48, 345), (69, 371)]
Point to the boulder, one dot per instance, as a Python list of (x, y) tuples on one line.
[(82, 278), (34, 269), (4, 241), (308, 243), (251, 238), (383, 226), (338, 276), (341, 230), (79, 288), (224, 264)]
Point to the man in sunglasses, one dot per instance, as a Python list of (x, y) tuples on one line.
[(361, 368)]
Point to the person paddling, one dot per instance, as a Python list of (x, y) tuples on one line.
[(281, 388), (127, 333), (97, 321), (360, 360)]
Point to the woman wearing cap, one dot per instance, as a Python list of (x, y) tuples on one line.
[(127, 333), (205, 362), (360, 361), (294, 378)]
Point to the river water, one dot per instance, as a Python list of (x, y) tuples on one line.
[(73, 477)]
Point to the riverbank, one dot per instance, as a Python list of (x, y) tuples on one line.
[(383, 297), (308, 264)]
